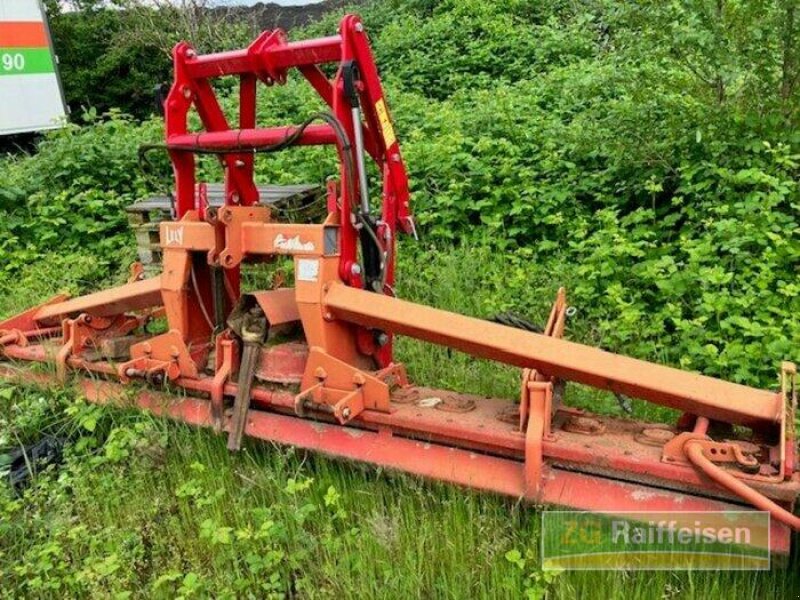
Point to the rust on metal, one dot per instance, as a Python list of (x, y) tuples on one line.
[(584, 425), (654, 436)]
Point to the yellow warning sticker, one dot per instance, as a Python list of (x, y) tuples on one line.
[(386, 124)]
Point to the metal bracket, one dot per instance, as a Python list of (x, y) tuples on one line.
[(728, 452), (344, 405), (136, 272), (733, 452), (333, 386), (232, 217), (394, 375), (350, 405), (86, 331), (536, 403), (165, 355), (225, 359)]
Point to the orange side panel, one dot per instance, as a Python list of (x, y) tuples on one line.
[(279, 306)]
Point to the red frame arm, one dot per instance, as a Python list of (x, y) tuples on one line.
[(269, 59)]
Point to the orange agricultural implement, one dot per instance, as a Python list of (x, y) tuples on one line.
[(312, 365)]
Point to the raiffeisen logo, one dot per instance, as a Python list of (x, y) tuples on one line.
[(671, 532), (724, 540), (292, 244)]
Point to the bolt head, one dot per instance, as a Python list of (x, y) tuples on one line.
[(359, 27), (355, 269), (382, 339), (346, 412)]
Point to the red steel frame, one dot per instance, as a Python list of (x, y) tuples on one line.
[(268, 59), (348, 397)]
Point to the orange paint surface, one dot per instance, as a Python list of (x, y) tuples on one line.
[(22, 35)]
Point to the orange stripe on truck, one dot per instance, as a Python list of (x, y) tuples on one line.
[(22, 35)]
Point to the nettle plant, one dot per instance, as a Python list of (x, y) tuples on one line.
[(709, 281), (70, 196)]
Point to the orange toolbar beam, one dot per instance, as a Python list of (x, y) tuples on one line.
[(114, 301), (697, 394)]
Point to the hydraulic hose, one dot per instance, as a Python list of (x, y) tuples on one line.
[(345, 149), (694, 452)]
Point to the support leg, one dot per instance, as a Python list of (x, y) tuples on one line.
[(254, 332)]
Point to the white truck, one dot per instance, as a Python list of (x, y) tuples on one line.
[(31, 98)]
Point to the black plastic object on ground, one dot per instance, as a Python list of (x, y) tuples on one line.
[(24, 462)]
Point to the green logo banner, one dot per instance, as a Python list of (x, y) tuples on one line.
[(725, 540)]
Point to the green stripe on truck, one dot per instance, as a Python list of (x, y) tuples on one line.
[(25, 61)]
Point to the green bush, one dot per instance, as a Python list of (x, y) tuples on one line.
[(69, 197), (604, 145)]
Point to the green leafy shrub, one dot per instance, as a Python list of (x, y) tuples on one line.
[(69, 198)]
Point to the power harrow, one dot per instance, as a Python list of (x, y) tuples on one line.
[(312, 365)]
